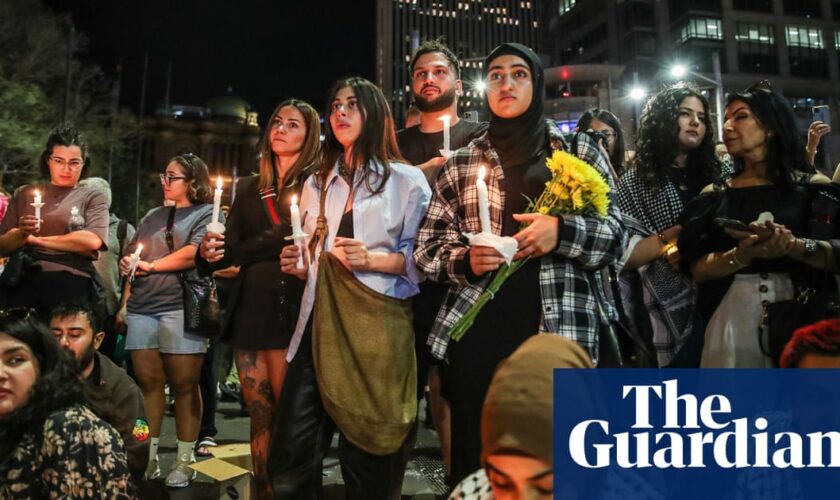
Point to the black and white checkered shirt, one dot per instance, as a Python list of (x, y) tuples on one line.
[(573, 300)]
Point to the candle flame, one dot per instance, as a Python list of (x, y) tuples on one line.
[(294, 199), (445, 118), (481, 172), (139, 248), (218, 182), (37, 194)]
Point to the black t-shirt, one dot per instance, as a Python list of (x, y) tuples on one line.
[(419, 147)]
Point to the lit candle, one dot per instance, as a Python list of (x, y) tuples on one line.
[(217, 200), (297, 231), (37, 204), (135, 259), (445, 120), (483, 202)]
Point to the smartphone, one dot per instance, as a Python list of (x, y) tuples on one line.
[(822, 114), (733, 224)]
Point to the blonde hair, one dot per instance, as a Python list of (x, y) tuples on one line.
[(308, 152)]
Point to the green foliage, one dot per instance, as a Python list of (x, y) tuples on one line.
[(33, 86)]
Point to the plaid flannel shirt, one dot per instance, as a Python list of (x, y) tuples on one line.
[(574, 304)]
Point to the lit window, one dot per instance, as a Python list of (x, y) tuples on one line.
[(804, 36), (565, 6), (755, 33), (703, 27)]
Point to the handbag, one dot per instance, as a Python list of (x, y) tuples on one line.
[(363, 352), (201, 299), (619, 346), (811, 303)]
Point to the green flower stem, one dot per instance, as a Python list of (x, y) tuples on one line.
[(486, 296)]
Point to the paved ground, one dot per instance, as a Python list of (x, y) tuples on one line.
[(423, 479)]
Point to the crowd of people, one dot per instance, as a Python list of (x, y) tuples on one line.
[(349, 259)]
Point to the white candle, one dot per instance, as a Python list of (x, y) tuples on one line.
[(483, 202), (135, 259), (217, 200), (37, 204), (297, 231), (445, 120)]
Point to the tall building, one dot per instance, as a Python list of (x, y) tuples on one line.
[(471, 28), (792, 43)]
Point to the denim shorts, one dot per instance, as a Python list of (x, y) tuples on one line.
[(164, 332)]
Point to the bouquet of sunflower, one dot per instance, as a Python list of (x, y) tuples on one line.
[(575, 188)]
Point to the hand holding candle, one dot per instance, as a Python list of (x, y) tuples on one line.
[(37, 204), (135, 259), (483, 202)]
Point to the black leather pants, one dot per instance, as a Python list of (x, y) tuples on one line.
[(301, 436)]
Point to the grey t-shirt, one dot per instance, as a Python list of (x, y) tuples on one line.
[(161, 292), (55, 214)]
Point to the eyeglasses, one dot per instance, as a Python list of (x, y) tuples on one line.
[(74, 165), (167, 179)]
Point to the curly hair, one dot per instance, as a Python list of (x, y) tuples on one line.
[(657, 143), (785, 153), (198, 176), (57, 386), (822, 337)]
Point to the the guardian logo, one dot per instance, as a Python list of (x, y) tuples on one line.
[(696, 433)]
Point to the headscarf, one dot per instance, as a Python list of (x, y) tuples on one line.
[(521, 139), (518, 411)]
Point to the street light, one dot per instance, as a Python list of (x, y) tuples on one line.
[(679, 71), (637, 93)]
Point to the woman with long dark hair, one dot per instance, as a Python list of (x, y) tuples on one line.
[(741, 271), (674, 161), (361, 210), (261, 311), (161, 350), (51, 444)]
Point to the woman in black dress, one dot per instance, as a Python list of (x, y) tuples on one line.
[(263, 303), (740, 272)]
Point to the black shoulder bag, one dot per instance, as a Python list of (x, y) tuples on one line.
[(201, 301)]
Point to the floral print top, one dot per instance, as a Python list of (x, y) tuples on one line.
[(78, 455)]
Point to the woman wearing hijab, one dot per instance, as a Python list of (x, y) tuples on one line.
[(557, 290)]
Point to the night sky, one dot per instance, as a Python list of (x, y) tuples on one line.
[(264, 50)]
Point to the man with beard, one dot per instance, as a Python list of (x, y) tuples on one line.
[(110, 391), (436, 87)]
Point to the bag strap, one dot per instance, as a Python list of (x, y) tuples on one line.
[(122, 232), (271, 205), (170, 222), (321, 228)]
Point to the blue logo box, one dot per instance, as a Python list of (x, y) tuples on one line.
[(697, 434)]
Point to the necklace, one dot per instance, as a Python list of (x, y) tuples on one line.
[(344, 172)]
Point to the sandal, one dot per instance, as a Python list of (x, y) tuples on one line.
[(202, 449)]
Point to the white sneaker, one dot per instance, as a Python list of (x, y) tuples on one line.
[(181, 475), (153, 469)]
